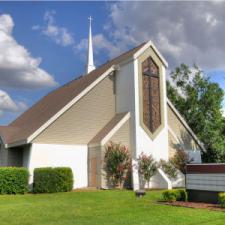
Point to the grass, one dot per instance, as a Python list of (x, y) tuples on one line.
[(99, 207)]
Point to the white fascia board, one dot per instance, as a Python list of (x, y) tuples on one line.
[(17, 143), (115, 129), (147, 45), (71, 103), (185, 124)]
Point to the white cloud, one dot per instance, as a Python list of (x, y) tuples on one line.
[(17, 67), (60, 35), (183, 31), (8, 105), (100, 44)]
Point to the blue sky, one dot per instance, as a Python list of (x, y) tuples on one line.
[(56, 33)]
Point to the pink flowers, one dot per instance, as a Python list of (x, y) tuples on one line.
[(117, 163)]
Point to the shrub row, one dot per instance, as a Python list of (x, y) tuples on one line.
[(50, 180), (13, 180), (174, 195)]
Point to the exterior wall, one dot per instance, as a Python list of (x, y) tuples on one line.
[(3, 154), (125, 98), (15, 156), (95, 153), (179, 137), (83, 120), (122, 135), (156, 143), (46, 155), (128, 100), (11, 156)]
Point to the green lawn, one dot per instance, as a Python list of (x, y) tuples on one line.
[(99, 207)]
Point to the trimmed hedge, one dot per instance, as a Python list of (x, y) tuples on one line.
[(174, 195), (221, 199), (50, 180), (13, 180)]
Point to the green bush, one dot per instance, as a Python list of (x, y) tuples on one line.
[(181, 195), (221, 199), (13, 180), (169, 195), (50, 180), (174, 195)]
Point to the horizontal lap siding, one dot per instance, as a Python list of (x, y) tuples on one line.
[(183, 137), (80, 123), (122, 135)]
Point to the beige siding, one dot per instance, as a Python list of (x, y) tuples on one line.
[(178, 134), (81, 122), (122, 135)]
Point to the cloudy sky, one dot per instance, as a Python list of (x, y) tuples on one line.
[(43, 44)]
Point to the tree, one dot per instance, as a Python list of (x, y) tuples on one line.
[(117, 163), (147, 167), (180, 159), (200, 102)]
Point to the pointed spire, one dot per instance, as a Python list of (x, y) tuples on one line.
[(90, 61)]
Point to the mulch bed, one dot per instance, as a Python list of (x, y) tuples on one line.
[(195, 205)]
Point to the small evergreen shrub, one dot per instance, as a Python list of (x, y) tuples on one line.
[(221, 199), (13, 180), (50, 180), (182, 195), (174, 195), (169, 195)]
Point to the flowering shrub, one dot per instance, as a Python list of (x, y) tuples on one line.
[(168, 168), (180, 159), (147, 167), (117, 163)]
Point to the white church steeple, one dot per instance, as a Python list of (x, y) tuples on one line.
[(90, 61)]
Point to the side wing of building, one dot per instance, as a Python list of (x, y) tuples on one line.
[(179, 135)]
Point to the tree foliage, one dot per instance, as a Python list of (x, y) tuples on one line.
[(200, 102), (180, 159), (117, 163), (147, 167)]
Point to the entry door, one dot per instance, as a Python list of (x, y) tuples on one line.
[(93, 168)]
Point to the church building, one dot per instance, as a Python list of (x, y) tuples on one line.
[(123, 100)]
